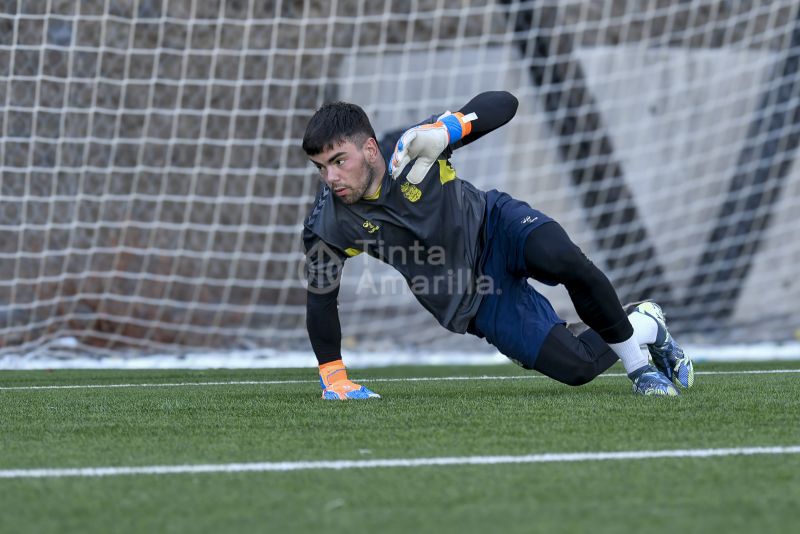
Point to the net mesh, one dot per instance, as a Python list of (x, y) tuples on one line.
[(153, 188)]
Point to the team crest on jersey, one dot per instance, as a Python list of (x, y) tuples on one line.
[(411, 192), (370, 227)]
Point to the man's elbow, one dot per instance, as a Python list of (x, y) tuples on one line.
[(508, 101)]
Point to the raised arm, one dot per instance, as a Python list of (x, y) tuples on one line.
[(425, 143), (492, 110)]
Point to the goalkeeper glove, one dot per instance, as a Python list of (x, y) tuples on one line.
[(336, 386), (426, 142)]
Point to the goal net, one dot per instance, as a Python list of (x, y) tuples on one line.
[(152, 187)]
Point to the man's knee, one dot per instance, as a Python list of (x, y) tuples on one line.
[(580, 375), (570, 360)]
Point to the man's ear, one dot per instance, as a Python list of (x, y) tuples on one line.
[(372, 150)]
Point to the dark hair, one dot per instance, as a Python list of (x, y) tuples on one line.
[(335, 123)]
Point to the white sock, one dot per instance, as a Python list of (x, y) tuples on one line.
[(645, 328), (629, 352)]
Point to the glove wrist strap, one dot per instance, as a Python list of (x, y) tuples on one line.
[(457, 125)]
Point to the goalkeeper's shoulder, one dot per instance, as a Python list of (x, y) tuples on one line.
[(320, 201), (314, 225), (322, 217)]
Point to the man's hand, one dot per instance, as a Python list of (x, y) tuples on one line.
[(336, 385), (425, 143), (346, 389)]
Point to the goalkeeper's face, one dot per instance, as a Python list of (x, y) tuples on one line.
[(349, 170)]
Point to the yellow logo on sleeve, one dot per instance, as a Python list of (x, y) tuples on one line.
[(446, 172), (411, 192)]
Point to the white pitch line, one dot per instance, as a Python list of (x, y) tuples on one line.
[(409, 379), (163, 385), (256, 467)]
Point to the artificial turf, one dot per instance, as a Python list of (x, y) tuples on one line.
[(174, 417)]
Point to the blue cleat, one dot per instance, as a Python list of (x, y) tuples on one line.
[(650, 382), (346, 390), (667, 355)]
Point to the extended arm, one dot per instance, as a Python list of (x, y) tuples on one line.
[(322, 323), (324, 266), (425, 143)]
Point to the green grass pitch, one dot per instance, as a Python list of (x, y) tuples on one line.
[(223, 423)]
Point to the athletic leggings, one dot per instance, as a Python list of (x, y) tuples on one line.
[(551, 257)]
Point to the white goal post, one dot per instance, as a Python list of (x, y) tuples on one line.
[(152, 186)]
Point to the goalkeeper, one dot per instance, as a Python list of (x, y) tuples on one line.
[(467, 254)]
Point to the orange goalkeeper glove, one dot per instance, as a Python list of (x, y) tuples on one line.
[(336, 386)]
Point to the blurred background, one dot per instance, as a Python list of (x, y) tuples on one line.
[(152, 186)]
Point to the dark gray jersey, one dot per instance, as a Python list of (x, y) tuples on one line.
[(429, 232), (432, 233)]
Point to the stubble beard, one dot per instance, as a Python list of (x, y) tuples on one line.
[(357, 195)]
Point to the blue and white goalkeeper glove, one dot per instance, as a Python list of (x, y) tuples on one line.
[(426, 142)]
